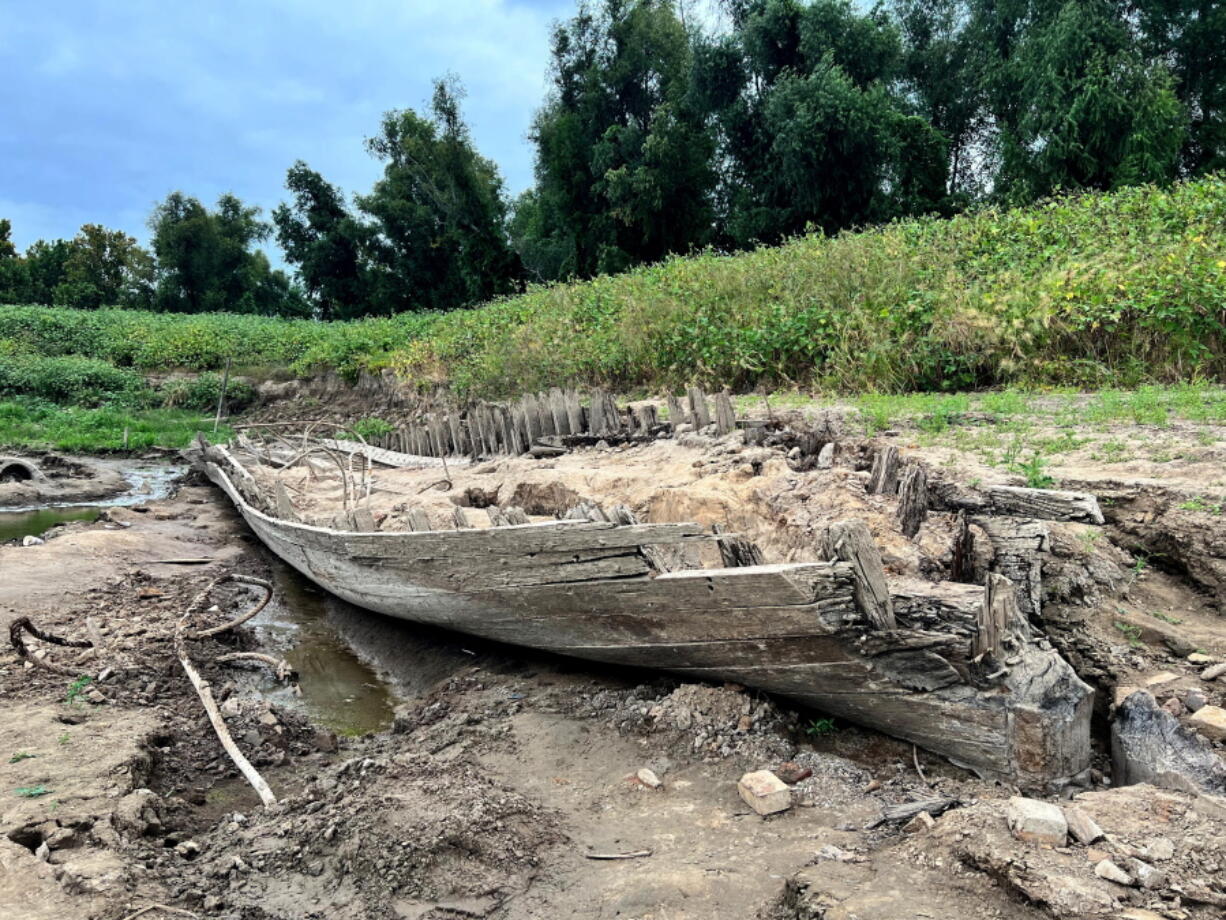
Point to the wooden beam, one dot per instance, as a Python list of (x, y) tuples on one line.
[(852, 542)]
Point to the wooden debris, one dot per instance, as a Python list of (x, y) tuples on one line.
[(851, 541), (883, 478), (635, 854), (1015, 501), (905, 811), (912, 499), (699, 413), (998, 615), (737, 551), (418, 519), (498, 517), (963, 552), (825, 456), (676, 412), (1016, 546), (516, 515), (460, 518), (725, 417)]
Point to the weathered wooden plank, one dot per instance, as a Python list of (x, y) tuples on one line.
[(912, 499), (498, 517), (1043, 504), (418, 519), (1017, 546), (532, 421), (736, 551), (516, 515), (382, 457), (676, 412), (883, 478), (852, 542), (947, 605), (725, 417), (699, 412), (361, 520), (489, 577), (545, 413), (557, 407), (459, 443), (460, 518), (574, 411), (645, 418)]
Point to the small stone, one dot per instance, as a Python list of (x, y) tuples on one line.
[(1162, 677), (1160, 848), (1194, 700), (1037, 822), (61, 839), (28, 540), (1112, 873), (1173, 706), (268, 719), (1083, 828), (791, 772), (326, 741), (1210, 721), (919, 824), (1146, 875), (1199, 658), (648, 778), (744, 724), (764, 792), (188, 849), (873, 785), (96, 697), (1214, 671)]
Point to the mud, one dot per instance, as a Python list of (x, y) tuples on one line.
[(425, 775)]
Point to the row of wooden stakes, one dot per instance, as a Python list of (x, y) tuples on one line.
[(488, 429)]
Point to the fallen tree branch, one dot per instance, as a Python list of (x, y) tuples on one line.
[(282, 668)]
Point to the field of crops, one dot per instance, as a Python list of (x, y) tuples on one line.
[(1098, 290)]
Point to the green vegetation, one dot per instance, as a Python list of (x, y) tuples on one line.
[(1165, 617), (818, 727), (38, 425), (76, 688), (371, 428), (1114, 290), (32, 792), (1131, 633), (20, 756)]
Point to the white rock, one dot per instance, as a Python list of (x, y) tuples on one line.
[(1210, 721), (1159, 848), (28, 540), (1037, 822), (1146, 875), (1082, 826), (764, 792), (648, 778), (1112, 873), (1214, 671)]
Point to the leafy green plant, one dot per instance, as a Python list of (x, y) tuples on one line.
[(76, 688), (32, 792), (1198, 503), (1131, 633), (372, 428), (1165, 617), (65, 738), (819, 727), (1035, 472), (20, 756)]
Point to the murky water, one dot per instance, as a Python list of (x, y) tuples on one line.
[(353, 666), (149, 482)]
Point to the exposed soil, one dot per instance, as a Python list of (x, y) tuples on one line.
[(504, 771), (49, 478)]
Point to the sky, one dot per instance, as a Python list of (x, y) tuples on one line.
[(109, 106)]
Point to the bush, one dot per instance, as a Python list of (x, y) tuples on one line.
[(71, 380), (201, 393)]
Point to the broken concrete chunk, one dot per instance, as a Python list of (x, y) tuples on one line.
[(1037, 822), (1112, 873), (764, 792), (1210, 721), (648, 778), (1083, 828)]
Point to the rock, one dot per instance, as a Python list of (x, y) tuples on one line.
[(838, 854), (1173, 706), (326, 741), (1112, 873), (1037, 822), (791, 772), (188, 849), (1210, 721), (1082, 826), (1214, 671), (1160, 848), (1199, 658), (61, 839), (96, 697), (1162, 677), (1122, 692), (648, 778), (212, 902), (919, 824), (1194, 700), (28, 540), (764, 792), (1140, 913), (136, 814), (1146, 875), (1149, 745)]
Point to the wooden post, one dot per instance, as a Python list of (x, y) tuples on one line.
[(699, 412), (460, 517), (676, 412), (497, 517), (725, 417), (221, 399), (574, 412), (883, 479), (557, 407), (851, 541), (515, 515), (998, 612), (418, 520), (913, 499), (736, 551)]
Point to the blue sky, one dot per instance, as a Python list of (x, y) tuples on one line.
[(108, 106)]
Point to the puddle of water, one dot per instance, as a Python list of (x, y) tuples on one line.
[(339, 689), (353, 666), (148, 483)]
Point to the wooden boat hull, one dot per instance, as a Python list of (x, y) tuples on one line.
[(583, 590)]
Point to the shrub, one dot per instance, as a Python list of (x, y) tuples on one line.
[(71, 380)]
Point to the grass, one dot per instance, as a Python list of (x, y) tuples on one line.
[(32, 792), (37, 425), (76, 688), (1115, 290), (20, 756)]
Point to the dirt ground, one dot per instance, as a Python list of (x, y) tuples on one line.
[(505, 772)]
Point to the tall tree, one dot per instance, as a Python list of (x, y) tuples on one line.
[(205, 261), (439, 212), (326, 244), (624, 156), (47, 265), (14, 279), (102, 268)]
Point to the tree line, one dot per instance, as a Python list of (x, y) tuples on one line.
[(663, 133)]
